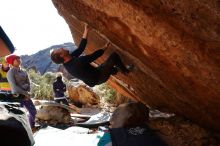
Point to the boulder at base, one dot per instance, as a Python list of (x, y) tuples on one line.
[(83, 95), (129, 114), (53, 113)]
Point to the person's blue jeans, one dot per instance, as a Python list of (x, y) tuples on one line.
[(28, 104)]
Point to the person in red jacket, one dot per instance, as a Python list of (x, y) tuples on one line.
[(5, 89)]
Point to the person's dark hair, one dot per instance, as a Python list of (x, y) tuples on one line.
[(56, 58), (59, 78)]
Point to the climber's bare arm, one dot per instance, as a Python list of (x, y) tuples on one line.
[(86, 31)]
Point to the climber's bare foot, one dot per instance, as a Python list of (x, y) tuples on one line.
[(106, 46)]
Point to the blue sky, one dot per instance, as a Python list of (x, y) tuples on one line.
[(33, 25)]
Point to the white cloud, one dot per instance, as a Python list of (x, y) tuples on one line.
[(33, 25)]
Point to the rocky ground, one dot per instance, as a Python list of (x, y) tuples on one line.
[(182, 132), (173, 129)]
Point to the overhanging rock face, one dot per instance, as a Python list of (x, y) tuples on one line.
[(174, 45)]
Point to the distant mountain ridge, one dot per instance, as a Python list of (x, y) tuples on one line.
[(41, 61)]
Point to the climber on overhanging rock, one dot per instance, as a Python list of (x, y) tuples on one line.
[(80, 66)]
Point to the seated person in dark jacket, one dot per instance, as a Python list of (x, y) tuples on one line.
[(80, 66), (59, 89)]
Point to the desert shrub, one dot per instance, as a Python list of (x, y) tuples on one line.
[(107, 93), (41, 85)]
